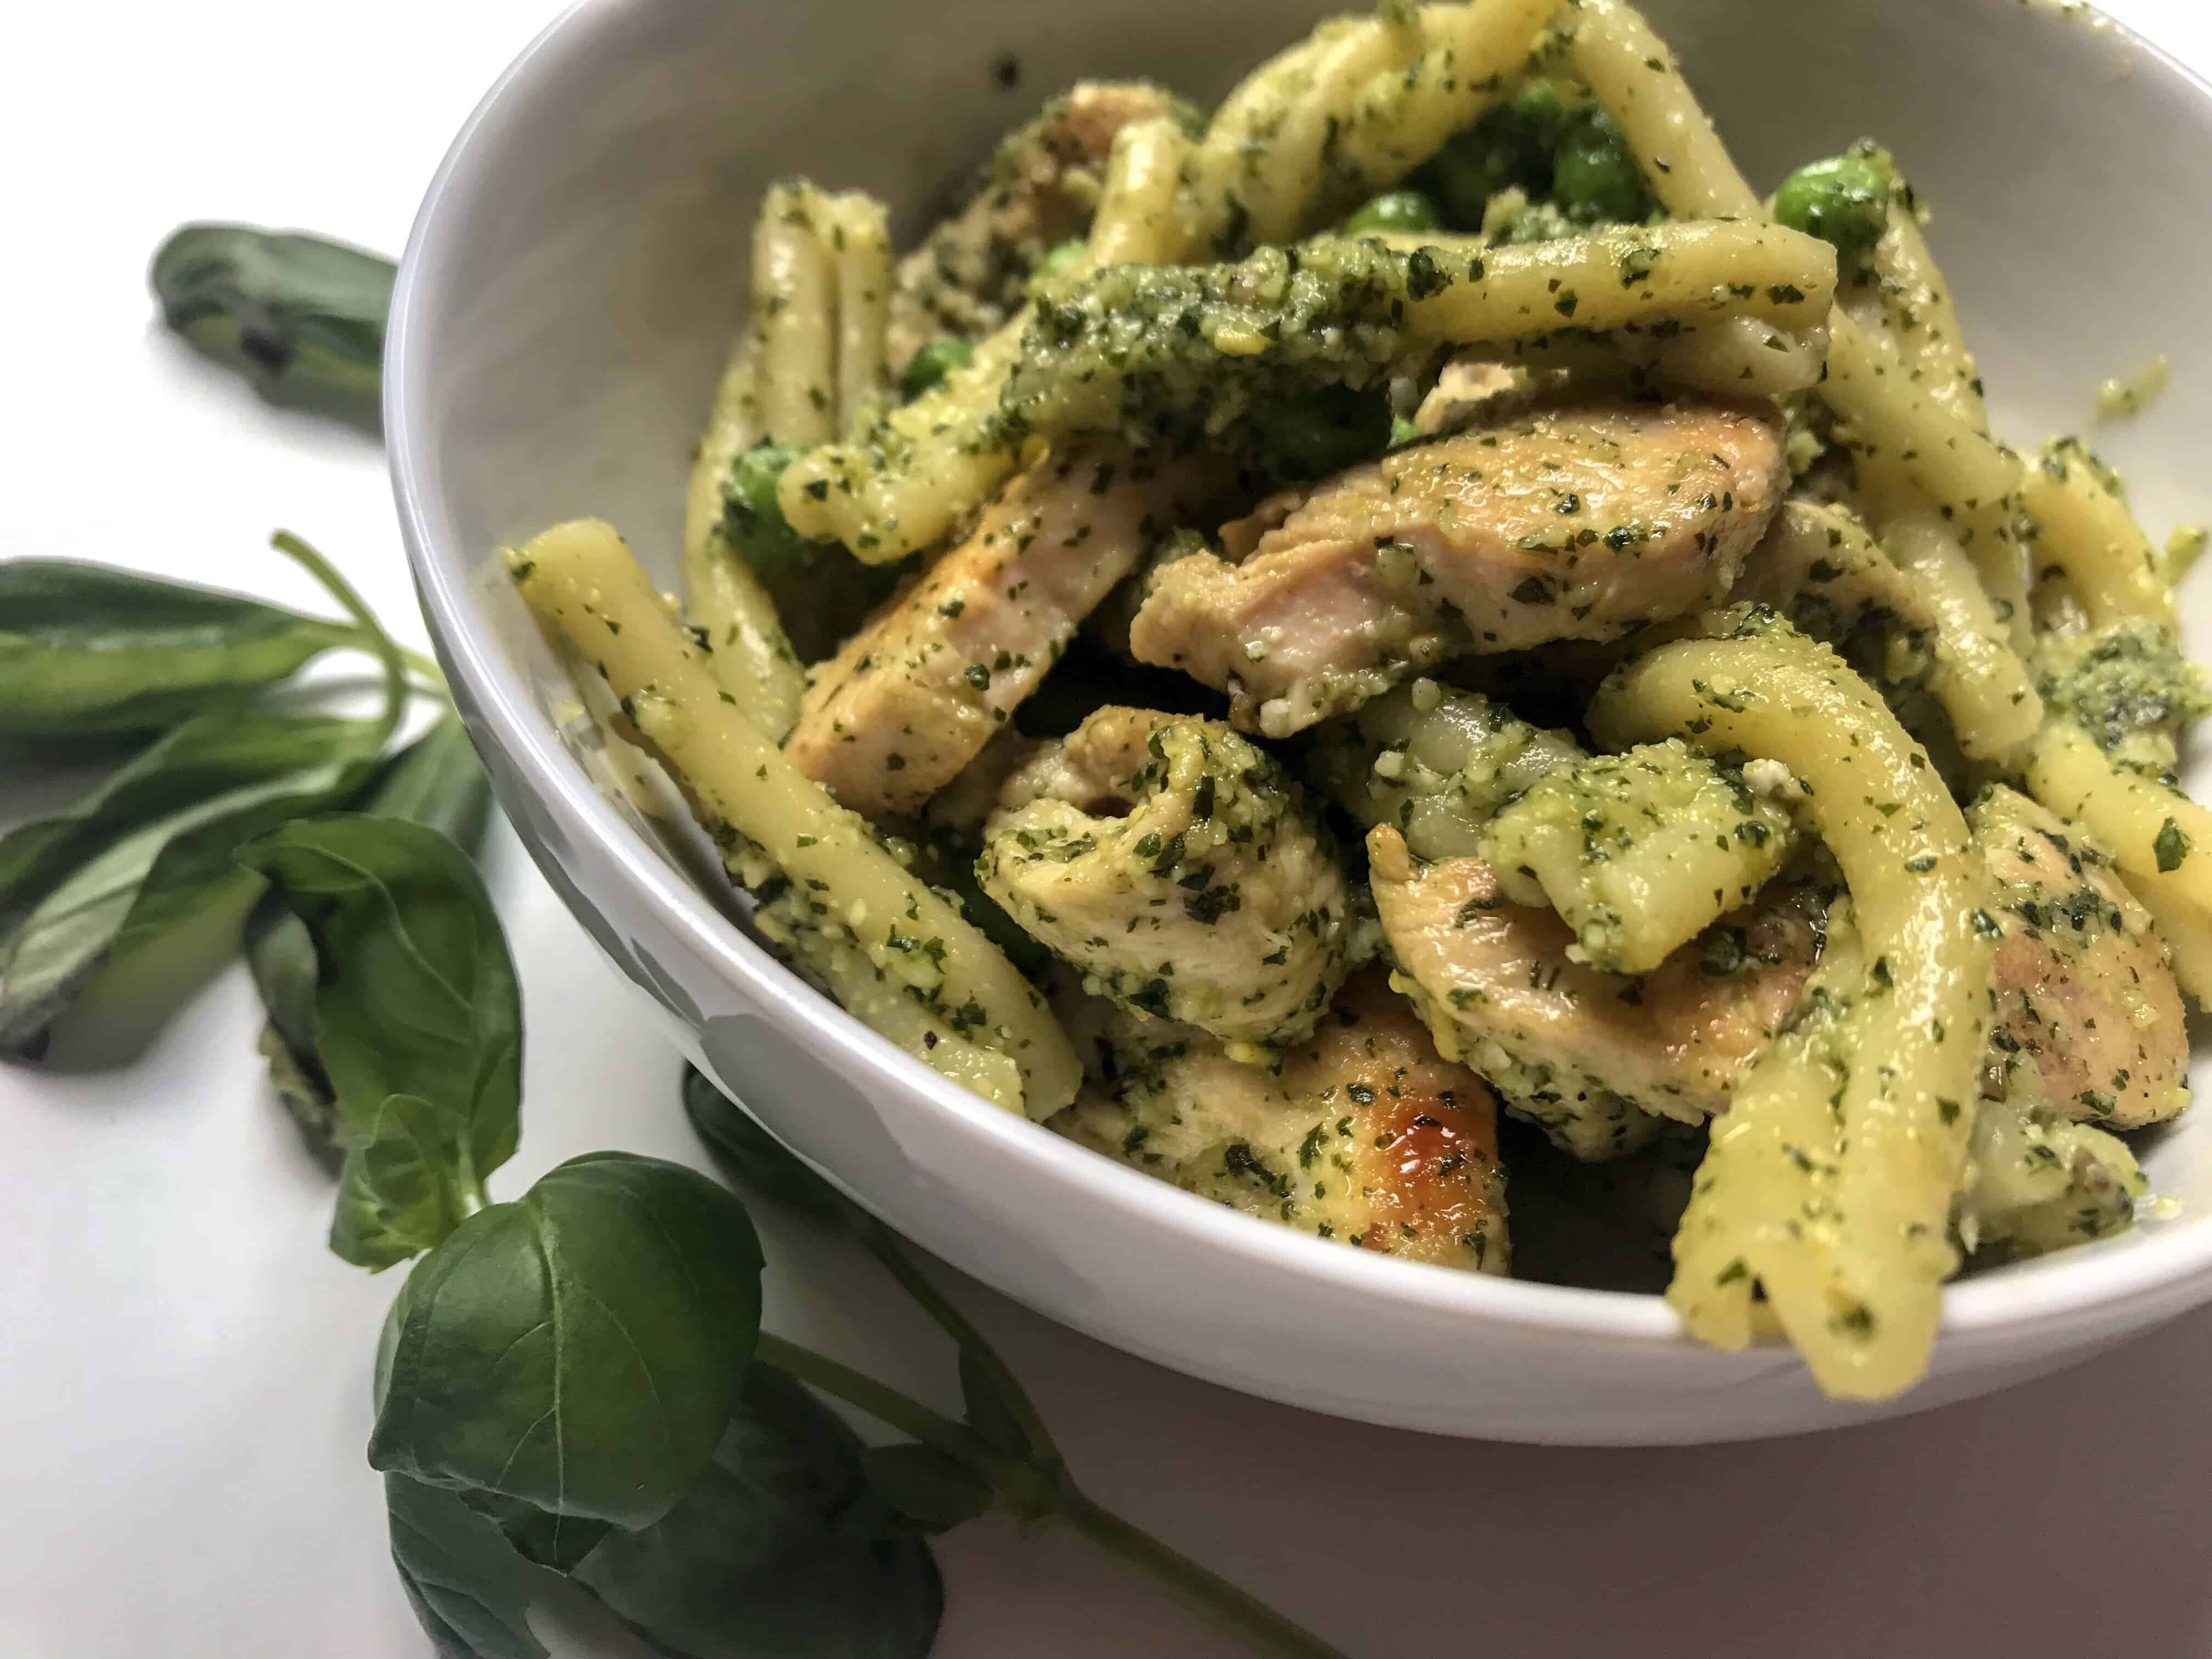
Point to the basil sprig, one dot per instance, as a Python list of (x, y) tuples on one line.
[(155, 846)]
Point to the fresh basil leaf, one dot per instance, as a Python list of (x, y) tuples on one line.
[(581, 1349), (780, 1548), (303, 313), (557, 1542), (749, 1154), (923, 1486), (417, 993), (401, 1190), (471, 1591), (435, 780), (151, 878), (204, 757), (87, 649)]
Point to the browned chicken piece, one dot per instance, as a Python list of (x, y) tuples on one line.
[(917, 692), (1365, 1133), (1568, 521), (1037, 191), (2083, 988), (1588, 1055)]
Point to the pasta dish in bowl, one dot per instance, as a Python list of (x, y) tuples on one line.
[(1410, 656)]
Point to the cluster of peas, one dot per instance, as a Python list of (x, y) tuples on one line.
[(1553, 144)]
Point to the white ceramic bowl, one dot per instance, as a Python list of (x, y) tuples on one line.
[(573, 279)]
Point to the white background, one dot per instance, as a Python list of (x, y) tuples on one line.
[(184, 1369)]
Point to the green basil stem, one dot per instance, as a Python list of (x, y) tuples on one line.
[(888, 1248), (374, 639), (1259, 1626), (1055, 1496), (879, 1401)]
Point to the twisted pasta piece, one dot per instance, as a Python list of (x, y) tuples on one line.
[(1829, 1183)]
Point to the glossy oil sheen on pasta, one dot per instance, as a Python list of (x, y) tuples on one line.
[(1361, 650)]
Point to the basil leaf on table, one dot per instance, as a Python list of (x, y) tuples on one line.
[(437, 782), (401, 1190), (581, 1349), (89, 649), (779, 1548), (417, 996), (204, 756), (125, 887), (303, 313), (469, 1589)]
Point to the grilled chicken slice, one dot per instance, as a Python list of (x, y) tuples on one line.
[(2083, 988), (1038, 189), (1181, 871), (1567, 521), (912, 696), (1588, 1055), (1365, 1133)]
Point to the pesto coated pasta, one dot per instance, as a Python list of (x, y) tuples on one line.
[(1336, 650)]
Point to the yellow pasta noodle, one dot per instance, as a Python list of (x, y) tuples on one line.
[(1979, 679), (752, 660), (2088, 535), (1142, 217), (1631, 72), (580, 579), (795, 304), (2161, 840), (1914, 303), (858, 233), (1829, 1180)]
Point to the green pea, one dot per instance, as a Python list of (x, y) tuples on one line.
[(1539, 110), (752, 519), (1394, 211), (928, 367), (1844, 201), (1593, 178), (1057, 258), (1495, 153)]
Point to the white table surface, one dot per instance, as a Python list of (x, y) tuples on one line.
[(183, 1368)]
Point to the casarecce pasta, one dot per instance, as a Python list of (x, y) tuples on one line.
[(1362, 651)]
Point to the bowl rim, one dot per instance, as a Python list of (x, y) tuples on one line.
[(2051, 1289)]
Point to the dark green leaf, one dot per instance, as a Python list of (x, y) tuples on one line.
[(471, 1591), (780, 1549), (558, 1541), (205, 756), (86, 648), (124, 890), (924, 1487), (401, 1190), (988, 1412), (582, 1349), (436, 781), (749, 1154), (299, 312), (417, 993)]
